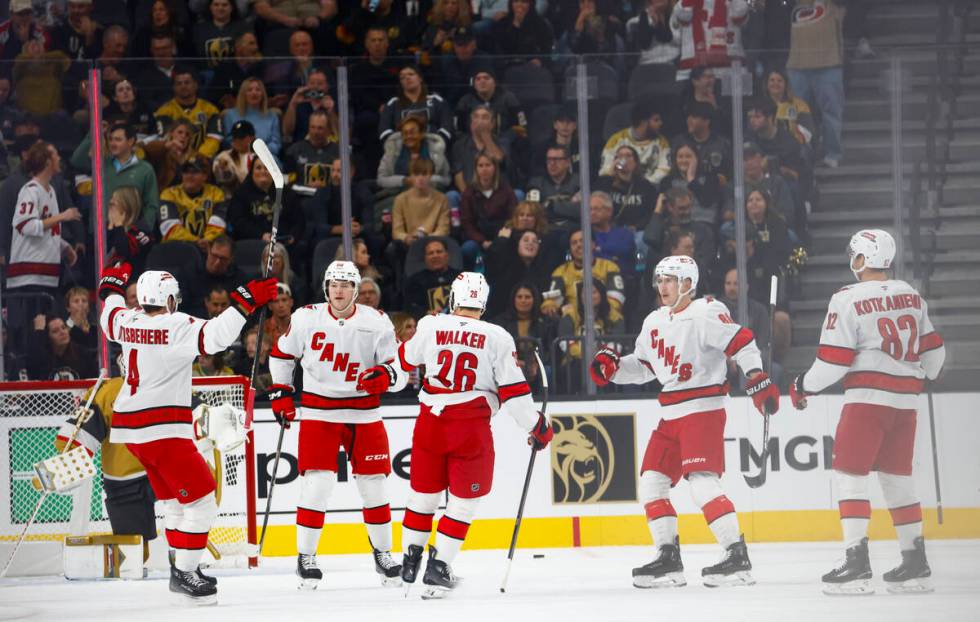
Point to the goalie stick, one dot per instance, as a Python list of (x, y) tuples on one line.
[(527, 477), (760, 479), (83, 414)]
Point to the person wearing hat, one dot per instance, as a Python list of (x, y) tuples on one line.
[(506, 109), (645, 138), (17, 31), (522, 36), (79, 36), (231, 165), (456, 70), (193, 211)]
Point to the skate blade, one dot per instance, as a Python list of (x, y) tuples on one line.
[(308, 585), (912, 586), (194, 601), (391, 581), (435, 592), (742, 577), (861, 587), (671, 579)]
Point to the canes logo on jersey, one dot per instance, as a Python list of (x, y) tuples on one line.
[(341, 360), (669, 355)]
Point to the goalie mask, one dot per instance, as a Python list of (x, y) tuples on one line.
[(157, 288), (875, 245), (680, 267), (469, 290)]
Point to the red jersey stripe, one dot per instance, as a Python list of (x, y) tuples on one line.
[(855, 508), (741, 339), (669, 398), (509, 391), (279, 354), (401, 358), (320, 402), (883, 382), (152, 416), (24, 268), (836, 355), (930, 341), (112, 318)]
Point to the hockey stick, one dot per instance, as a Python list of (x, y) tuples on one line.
[(263, 153), (760, 479), (80, 420), (935, 457), (527, 477)]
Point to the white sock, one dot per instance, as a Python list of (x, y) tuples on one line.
[(377, 511), (660, 513), (192, 532), (315, 489), (453, 526), (718, 510), (855, 508), (417, 524), (902, 502)]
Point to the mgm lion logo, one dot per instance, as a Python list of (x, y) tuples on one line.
[(583, 459)]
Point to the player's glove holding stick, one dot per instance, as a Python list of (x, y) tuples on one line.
[(764, 393), (281, 397), (376, 380), (604, 366), (541, 434), (254, 295), (796, 393), (114, 280)]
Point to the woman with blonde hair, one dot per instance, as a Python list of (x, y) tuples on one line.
[(445, 18), (792, 112), (283, 272), (528, 215), (126, 240), (361, 259), (252, 105)]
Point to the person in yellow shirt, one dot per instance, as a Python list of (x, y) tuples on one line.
[(566, 280), (202, 114), (194, 211)]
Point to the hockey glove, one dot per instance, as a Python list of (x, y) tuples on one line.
[(796, 393), (254, 295), (541, 433), (114, 280), (376, 380), (604, 366), (764, 393), (281, 396)]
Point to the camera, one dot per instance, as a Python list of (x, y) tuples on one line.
[(312, 94)]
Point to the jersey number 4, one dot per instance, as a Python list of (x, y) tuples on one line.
[(891, 340), (132, 373), (462, 368)]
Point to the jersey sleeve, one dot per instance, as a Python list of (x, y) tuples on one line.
[(171, 228), (27, 213), (411, 353), (195, 336), (218, 220), (386, 351), (837, 348), (554, 297), (737, 342), (634, 368), (512, 388), (286, 350), (932, 349), (113, 311), (615, 287)]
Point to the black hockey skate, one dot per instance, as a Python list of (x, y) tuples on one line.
[(734, 569), (308, 572), (666, 570), (913, 575), (853, 576), (385, 566), (200, 575), (196, 590), (439, 579), (411, 561)]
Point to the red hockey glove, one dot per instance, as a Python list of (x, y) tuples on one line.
[(254, 295), (541, 433), (376, 380), (281, 396), (796, 393), (114, 280), (764, 393), (604, 366)]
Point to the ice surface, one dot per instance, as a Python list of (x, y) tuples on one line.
[(567, 584)]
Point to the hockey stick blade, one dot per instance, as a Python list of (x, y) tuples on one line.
[(262, 151), (760, 479)]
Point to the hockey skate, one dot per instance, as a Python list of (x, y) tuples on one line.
[(308, 572), (191, 587), (666, 570), (913, 575), (385, 566), (438, 579), (411, 561), (853, 576), (734, 569), (200, 575)]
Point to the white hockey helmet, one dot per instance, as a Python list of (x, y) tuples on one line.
[(156, 288), (341, 270), (876, 245), (679, 266), (469, 290)]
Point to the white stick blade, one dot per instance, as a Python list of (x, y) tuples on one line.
[(773, 290), (262, 151)]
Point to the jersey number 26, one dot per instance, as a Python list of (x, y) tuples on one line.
[(462, 368)]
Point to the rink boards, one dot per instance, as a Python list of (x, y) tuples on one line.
[(584, 487)]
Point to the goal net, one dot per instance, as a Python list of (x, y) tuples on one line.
[(30, 415)]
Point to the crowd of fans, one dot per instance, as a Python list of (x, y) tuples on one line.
[(465, 155)]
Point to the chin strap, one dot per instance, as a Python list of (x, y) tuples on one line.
[(350, 306), (690, 290), (856, 273)]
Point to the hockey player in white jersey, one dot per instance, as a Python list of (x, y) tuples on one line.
[(877, 337), (470, 372), (685, 345), (346, 351), (152, 413)]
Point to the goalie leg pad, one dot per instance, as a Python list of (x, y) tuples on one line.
[(129, 504), (191, 536)]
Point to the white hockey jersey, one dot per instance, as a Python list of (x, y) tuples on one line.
[(35, 253), (470, 369), (687, 352), (333, 353), (158, 352), (877, 337)]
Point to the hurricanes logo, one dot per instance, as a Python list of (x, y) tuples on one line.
[(582, 459)]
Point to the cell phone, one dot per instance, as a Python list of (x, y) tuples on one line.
[(315, 94), (373, 5)]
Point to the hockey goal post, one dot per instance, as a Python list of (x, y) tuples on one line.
[(30, 415)]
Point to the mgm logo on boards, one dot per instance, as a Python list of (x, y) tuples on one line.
[(593, 458)]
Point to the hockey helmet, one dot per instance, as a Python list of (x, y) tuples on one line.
[(678, 266), (469, 290), (876, 245), (156, 287), (341, 270)]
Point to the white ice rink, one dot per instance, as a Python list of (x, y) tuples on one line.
[(567, 584)]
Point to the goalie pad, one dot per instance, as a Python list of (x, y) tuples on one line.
[(223, 426), (103, 557), (65, 471)]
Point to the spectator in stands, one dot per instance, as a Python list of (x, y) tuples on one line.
[(486, 205), (282, 271), (219, 267), (314, 96), (704, 88), (129, 239), (55, 356), (768, 245), (522, 318), (78, 304), (37, 77), (286, 76), (214, 35), (230, 167), (758, 323), (482, 139), (253, 106), (310, 158), (595, 34), (212, 365), (408, 144), (245, 363), (445, 18), (672, 216), (456, 70), (633, 197), (361, 259), (419, 211), (202, 114), (156, 78), (710, 32), (216, 301), (522, 36), (566, 279), (193, 211), (427, 291), (8, 111), (613, 242), (163, 21), (608, 321), (78, 36), (644, 137), (757, 176), (714, 151), (166, 156), (17, 31), (557, 190), (247, 62), (131, 302), (815, 68), (782, 151), (564, 133), (404, 23), (650, 34), (373, 81), (323, 211), (414, 99), (514, 258), (528, 215), (111, 61), (121, 167), (128, 109), (687, 173), (490, 12), (792, 112), (305, 14), (280, 312), (369, 293), (251, 207), (508, 116)]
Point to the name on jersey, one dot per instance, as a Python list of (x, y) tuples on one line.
[(888, 303), (460, 338), (341, 360), (146, 336), (670, 357)]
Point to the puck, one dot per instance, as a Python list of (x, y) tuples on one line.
[(539, 556)]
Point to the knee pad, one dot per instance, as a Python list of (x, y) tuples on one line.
[(172, 513), (373, 489), (199, 515), (653, 486), (898, 490), (705, 486), (315, 489), (423, 502), (850, 486), (461, 509)]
